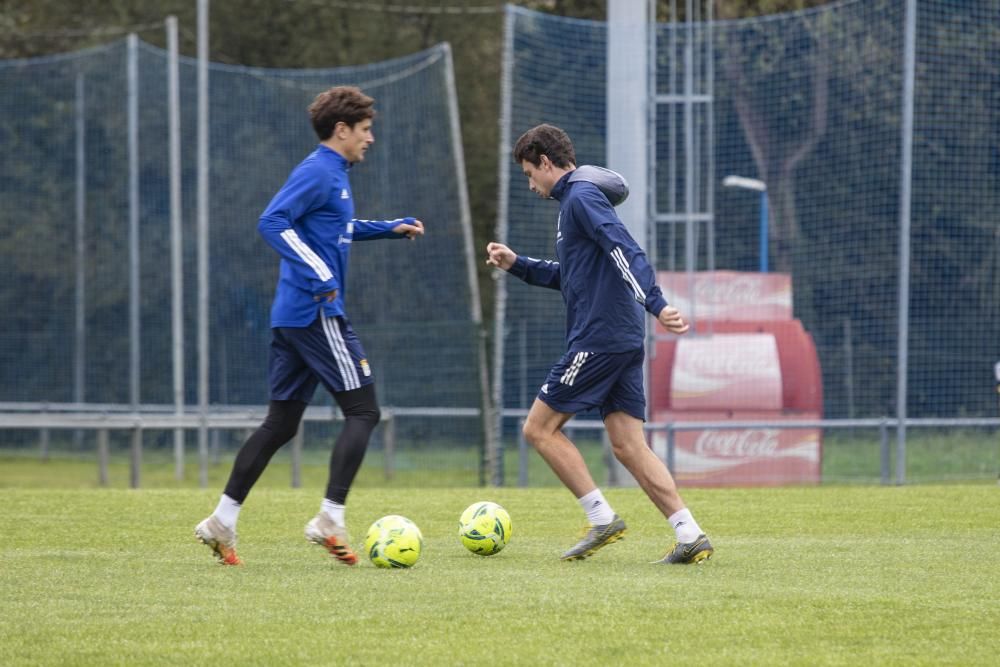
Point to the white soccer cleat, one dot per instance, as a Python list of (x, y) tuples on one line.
[(220, 539), (331, 536)]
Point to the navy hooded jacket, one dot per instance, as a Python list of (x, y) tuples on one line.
[(603, 274)]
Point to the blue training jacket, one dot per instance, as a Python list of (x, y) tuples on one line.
[(310, 222), (605, 279)]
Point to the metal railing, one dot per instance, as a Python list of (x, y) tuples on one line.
[(883, 424), (106, 417)]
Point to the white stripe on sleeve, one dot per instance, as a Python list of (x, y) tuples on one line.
[(619, 258), (307, 254)]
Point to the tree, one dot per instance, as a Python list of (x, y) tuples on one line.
[(779, 150)]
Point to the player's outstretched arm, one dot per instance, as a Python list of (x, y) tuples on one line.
[(410, 230), (540, 272), (500, 256), (369, 230), (672, 321)]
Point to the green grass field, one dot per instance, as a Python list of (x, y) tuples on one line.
[(805, 576)]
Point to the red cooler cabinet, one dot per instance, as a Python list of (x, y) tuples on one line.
[(748, 360)]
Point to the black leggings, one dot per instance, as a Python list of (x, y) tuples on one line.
[(361, 415)]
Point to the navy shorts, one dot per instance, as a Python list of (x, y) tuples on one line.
[(326, 351), (585, 380)]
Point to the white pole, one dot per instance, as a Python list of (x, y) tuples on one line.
[(627, 122), (202, 237), (627, 93), (905, 191), (709, 174), (80, 324), (133, 249), (132, 113), (689, 176), (503, 210), (493, 458), (653, 230), (176, 238), (672, 89)]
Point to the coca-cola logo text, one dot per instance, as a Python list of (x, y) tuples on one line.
[(738, 291), (729, 363), (747, 443)]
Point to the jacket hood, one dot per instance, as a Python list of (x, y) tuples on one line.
[(612, 184)]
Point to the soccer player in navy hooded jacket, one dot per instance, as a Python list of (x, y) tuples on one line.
[(607, 285), (310, 223)]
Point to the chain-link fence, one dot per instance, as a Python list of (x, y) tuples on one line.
[(74, 236), (812, 104)]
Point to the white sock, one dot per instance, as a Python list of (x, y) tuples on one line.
[(685, 526), (333, 510), (599, 512), (227, 512)]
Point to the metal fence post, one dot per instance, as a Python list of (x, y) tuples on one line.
[(389, 445), (670, 448), (905, 194), (176, 238), (202, 240), (609, 458), (883, 432), (135, 464), (214, 446), (297, 456), (134, 254), (522, 455), (80, 199), (102, 457)]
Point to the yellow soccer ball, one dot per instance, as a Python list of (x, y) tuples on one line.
[(394, 541), (484, 528)]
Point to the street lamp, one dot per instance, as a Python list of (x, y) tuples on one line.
[(761, 187)]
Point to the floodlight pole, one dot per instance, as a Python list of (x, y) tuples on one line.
[(761, 187)]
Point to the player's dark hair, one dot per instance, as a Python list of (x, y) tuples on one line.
[(340, 104), (545, 140)]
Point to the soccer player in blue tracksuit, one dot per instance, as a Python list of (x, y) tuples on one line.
[(607, 284), (311, 224)]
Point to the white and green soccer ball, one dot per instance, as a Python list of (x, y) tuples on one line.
[(394, 541), (484, 528)]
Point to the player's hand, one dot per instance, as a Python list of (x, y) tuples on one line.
[(672, 321), (500, 256), (328, 297), (410, 231)]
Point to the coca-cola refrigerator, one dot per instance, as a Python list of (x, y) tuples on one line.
[(748, 360)]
